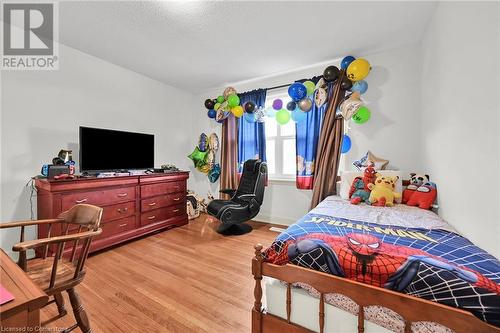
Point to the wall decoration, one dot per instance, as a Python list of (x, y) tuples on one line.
[(221, 107), (331, 73), (358, 69), (277, 104), (350, 105), (249, 107), (310, 87), (203, 156), (362, 116), (305, 104), (290, 106), (360, 86), (282, 116), (250, 117), (298, 115), (346, 144), (297, 91), (346, 62)]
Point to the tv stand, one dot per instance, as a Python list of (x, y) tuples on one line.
[(133, 205)]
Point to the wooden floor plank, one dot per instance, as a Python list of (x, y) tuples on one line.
[(187, 279)]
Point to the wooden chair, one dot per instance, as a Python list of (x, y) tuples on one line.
[(65, 269)]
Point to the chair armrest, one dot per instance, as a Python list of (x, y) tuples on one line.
[(246, 197), (229, 191), (28, 223), (33, 244)]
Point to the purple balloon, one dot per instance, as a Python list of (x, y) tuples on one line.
[(277, 104)]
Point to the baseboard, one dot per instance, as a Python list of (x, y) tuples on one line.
[(274, 220)]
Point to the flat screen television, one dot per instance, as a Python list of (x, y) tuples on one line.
[(110, 150)]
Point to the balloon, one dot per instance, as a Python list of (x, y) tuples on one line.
[(297, 91), (270, 112), (220, 99), (217, 106), (221, 115), (198, 157), (211, 113), (209, 104), (350, 106), (229, 91), (320, 97), (362, 116), (277, 104), (237, 111), (250, 117), (358, 69), (259, 115), (214, 173), (331, 73), (346, 144), (360, 86), (346, 84), (249, 107), (233, 100), (282, 116), (298, 115), (305, 104), (290, 106), (310, 87), (203, 142), (346, 62)]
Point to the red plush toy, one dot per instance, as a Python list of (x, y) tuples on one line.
[(424, 196), (359, 188), (416, 181)]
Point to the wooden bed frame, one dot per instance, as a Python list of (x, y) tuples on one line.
[(412, 309)]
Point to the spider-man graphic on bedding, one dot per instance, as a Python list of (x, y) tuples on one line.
[(433, 264)]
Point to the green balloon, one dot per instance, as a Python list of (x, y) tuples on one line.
[(282, 116), (233, 100), (198, 157), (310, 87), (221, 99), (362, 116), (216, 106)]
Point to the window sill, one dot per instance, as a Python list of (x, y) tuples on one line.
[(287, 181)]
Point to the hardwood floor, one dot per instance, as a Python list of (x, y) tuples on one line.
[(187, 279)]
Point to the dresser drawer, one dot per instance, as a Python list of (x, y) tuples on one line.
[(162, 188), (99, 197), (118, 211), (162, 214), (162, 201), (116, 227)]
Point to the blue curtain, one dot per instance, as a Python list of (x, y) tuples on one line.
[(251, 136), (306, 141)]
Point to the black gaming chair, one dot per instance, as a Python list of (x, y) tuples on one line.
[(245, 202)]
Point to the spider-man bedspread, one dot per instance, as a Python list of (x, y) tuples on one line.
[(380, 249)]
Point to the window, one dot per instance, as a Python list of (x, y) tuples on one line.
[(280, 141)]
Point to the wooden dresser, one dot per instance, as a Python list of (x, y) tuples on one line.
[(133, 205)]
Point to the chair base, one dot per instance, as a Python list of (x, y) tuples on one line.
[(234, 229)]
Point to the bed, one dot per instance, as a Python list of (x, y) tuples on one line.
[(370, 269)]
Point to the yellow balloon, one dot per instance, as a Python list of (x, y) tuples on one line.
[(358, 69), (237, 111)]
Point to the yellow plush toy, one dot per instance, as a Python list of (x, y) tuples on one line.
[(382, 192)]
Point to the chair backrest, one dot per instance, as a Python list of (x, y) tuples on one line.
[(253, 179), (88, 216)]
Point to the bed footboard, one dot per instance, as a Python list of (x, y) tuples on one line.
[(410, 308)]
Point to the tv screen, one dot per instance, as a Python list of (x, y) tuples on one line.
[(103, 149)]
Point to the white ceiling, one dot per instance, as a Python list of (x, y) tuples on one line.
[(201, 45)]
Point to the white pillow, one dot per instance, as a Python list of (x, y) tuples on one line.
[(348, 176)]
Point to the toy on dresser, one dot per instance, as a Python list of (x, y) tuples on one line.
[(420, 192), (382, 191), (359, 191)]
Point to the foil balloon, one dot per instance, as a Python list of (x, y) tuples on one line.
[(213, 142), (320, 97), (229, 91), (221, 115), (198, 157), (350, 106), (260, 115), (203, 142), (214, 173)]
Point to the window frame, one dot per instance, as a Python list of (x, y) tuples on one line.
[(279, 139)]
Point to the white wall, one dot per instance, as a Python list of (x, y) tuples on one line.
[(42, 110), (460, 93), (393, 132)]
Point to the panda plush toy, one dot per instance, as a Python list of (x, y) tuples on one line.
[(416, 181)]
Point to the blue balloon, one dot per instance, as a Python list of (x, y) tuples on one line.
[(297, 91), (361, 86), (346, 62), (298, 115), (211, 113), (250, 117), (346, 144), (270, 112)]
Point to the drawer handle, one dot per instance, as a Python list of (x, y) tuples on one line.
[(122, 195), (177, 199), (151, 217), (175, 210), (152, 204), (81, 200), (122, 210), (123, 225)]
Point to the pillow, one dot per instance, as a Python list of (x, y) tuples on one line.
[(369, 158), (348, 176)]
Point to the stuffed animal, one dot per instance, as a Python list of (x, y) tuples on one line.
[(359, 189), (416, 181), (424, 196), (382, 191)]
